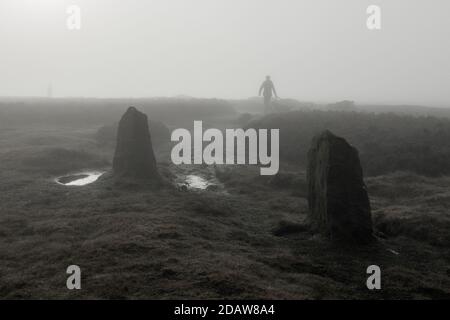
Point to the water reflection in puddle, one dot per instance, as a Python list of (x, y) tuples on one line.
[(79, 179), (196, 182)]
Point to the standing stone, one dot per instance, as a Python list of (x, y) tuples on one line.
[(134, 157), (338, 202)]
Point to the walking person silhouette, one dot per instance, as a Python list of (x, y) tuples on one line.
[(267, 89)]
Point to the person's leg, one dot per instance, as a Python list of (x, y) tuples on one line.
[(273, 106), (267, 108)]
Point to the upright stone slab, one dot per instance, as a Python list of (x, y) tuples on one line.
[(134, 157), (337, 196)]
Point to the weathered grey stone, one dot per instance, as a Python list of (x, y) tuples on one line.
[(134, 157), (338, 201)]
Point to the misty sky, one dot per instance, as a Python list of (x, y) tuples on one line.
[(315, 50)]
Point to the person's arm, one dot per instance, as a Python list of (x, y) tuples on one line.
[(261, 89), (274, 91)]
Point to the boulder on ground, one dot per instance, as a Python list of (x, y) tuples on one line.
[(337, 197), (134, 157)]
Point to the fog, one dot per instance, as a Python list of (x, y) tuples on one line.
[(317, 50)]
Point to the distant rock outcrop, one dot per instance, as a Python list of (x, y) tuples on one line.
[(337, 196), (134, 157)]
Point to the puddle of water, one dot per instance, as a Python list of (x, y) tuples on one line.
[(196, 182), (79, 179)]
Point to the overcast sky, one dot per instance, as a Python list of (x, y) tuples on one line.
[(315, 50)]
